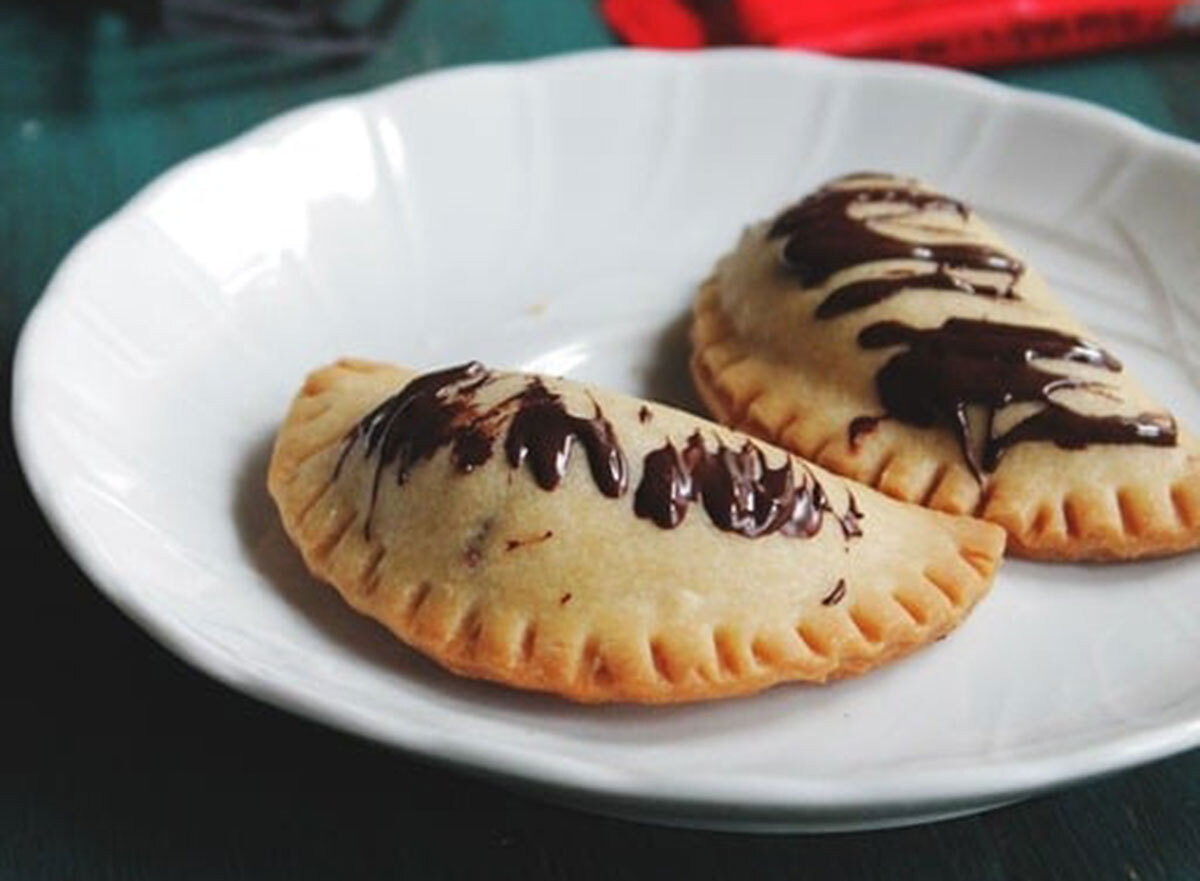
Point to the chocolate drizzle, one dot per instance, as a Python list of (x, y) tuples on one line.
[(822, 239), (413, 424), (849, 520), (860, 294), (738, 490), (836, 595), (1074, 431), (859, 426), (967, 362), (439, 410), (964, 362), (542, 433)]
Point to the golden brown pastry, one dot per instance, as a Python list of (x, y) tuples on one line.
[(557, 537), (885, 331)]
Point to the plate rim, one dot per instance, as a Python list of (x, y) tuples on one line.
[(795, 805)]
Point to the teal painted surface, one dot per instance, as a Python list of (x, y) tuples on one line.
[(1142, 85), (119, 762)]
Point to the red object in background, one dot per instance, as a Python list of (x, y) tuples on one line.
[(960, 33)]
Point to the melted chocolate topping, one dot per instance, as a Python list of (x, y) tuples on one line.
[(963, 362), (737, 489), (739, 492), (1074, 431), (861, 425), (849, 520), (439, 410), (413, 424), (836, 595), (821, 239), (542, 433), (860, 294)]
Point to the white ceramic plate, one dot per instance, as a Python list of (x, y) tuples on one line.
[(557, 216)]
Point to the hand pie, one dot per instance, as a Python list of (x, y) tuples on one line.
[(883, 330), (556, 537)]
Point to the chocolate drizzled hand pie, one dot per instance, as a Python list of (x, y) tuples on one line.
[(556, 537), (883, 330)]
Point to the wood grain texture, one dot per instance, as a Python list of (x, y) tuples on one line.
[(119, 762)]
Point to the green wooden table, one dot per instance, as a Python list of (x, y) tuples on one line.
[(117, 761)]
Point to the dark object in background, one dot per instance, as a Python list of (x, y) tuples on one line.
[(328, 27)]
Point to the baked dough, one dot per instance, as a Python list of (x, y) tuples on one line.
[(557, 537), (886, 332)]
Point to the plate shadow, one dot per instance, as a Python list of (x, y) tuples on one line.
[(667, 378)]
